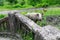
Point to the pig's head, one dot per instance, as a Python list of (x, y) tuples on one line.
[(39, 16)]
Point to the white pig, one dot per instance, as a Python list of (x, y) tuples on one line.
[(34, 16)]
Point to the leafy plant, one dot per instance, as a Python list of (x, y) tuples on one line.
[(2, 15)]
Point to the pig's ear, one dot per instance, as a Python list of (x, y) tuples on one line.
[(37, 14)]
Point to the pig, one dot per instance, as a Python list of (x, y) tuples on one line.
[(35, 16)]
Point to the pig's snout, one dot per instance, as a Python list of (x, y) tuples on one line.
[(40, 20)]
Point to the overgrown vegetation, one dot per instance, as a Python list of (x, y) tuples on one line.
[(28, 3), (2, 16)]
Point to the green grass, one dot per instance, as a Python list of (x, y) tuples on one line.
[(2, 15), (5, 8), (52, 11)]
